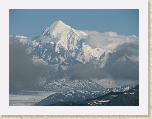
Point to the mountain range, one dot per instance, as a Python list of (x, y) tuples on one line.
[(79, 95), (126, 98), (63, 59)]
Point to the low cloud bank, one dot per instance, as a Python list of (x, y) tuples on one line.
[(23, 73)]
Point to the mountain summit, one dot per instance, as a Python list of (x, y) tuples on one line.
[(55, 29)]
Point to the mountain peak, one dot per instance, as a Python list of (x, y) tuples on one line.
[(56, 28), (59, 22), (58, 25)]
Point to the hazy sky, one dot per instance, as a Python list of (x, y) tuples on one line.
[(32, 22)]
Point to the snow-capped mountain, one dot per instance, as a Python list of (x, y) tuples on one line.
[(82, 60), (62, 45)]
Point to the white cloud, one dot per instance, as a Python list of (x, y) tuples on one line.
[(108, 40)]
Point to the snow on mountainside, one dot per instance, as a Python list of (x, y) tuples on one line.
[(79, 95), (62, 85)]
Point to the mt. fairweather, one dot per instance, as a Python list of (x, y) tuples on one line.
[(81, 59)]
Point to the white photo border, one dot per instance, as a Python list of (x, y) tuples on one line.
[(142, 109)]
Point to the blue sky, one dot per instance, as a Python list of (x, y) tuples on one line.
[(32, 22)]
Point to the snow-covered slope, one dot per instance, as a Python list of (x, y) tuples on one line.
[(62, 85), (79, 95)]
